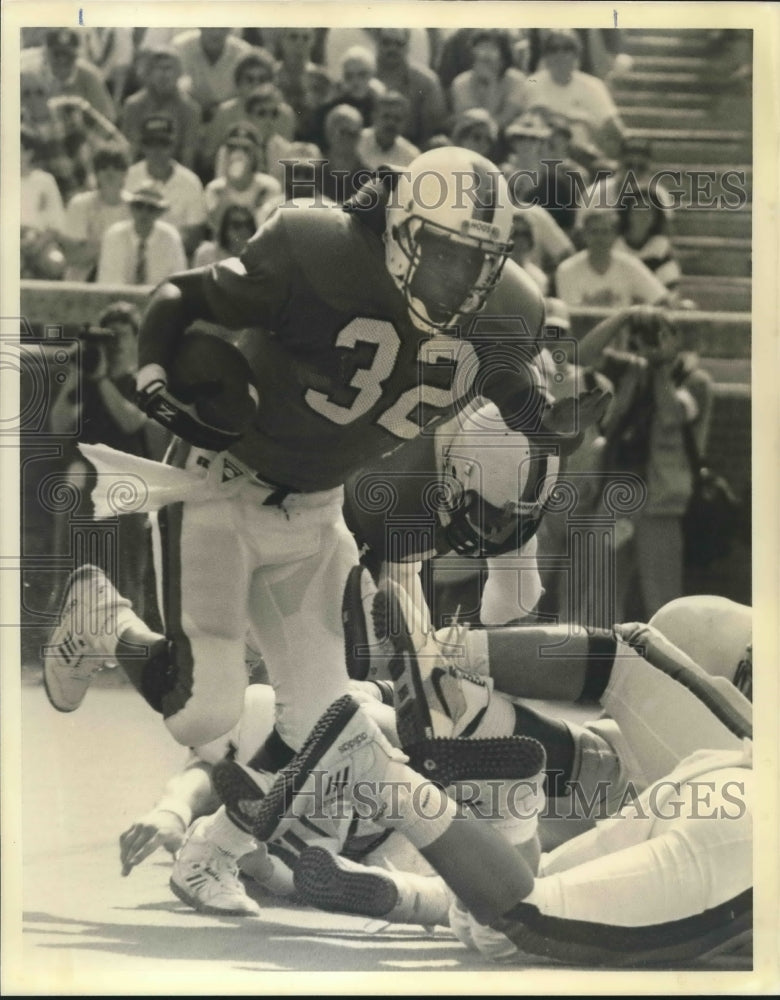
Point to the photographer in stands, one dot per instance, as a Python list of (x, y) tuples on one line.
[(659, 391)]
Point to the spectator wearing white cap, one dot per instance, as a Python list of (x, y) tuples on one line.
[(382, 142), (160, 95), (600, 275), (142, 250), (181, 187)]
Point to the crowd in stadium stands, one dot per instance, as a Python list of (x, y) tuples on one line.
[(150, 149), (210, 116)]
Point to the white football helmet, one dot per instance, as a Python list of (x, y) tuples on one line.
[(499, 481), (449, 222)]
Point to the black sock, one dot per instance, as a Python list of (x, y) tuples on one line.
[(153, 675), (602, 646), (555, 736), (273, 755)]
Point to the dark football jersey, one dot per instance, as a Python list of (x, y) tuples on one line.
[(342, 373)]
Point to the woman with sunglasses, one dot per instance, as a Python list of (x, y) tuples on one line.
[(235, 229)]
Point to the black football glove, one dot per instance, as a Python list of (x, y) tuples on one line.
[(182, 419)]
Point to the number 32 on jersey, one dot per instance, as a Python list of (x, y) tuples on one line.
[(446, 361)]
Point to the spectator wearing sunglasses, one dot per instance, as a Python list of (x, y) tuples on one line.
[(142, 250), (161, 96), (418, 84), (256, 68), (234, 230), (90, 213), (264, 113), (560, 88), (67, 131)]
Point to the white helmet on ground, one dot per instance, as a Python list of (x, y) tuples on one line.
[(500, 481), (449, 222)]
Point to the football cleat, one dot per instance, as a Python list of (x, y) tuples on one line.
[(84, 639), (361, 645), (345, 746), (501, 758), (334, 883), (206, 878), (433, 699)]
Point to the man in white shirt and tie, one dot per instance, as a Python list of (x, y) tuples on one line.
[(142, 250)]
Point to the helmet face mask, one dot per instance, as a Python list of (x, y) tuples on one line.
[(447, 238), (477, 528)]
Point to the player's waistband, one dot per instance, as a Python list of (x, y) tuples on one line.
[(227, 468)]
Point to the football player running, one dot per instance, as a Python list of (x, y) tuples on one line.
[(363, 326)]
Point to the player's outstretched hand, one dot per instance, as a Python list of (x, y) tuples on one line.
[(158, 828)]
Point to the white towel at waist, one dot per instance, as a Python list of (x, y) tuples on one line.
[(127, 484)]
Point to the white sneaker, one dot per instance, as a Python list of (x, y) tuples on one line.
[(84, 639), (336, 884), (433, 698), (205, 877), (346, 747)]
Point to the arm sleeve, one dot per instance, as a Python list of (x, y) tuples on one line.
[(252, 291)]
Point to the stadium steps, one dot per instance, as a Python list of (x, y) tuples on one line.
[(664, 62), (630, 99), (686, 146), (665, 117), (679, 43), (661, 82), (718, 292), (722, 222), (714, 255), (732, 182)]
